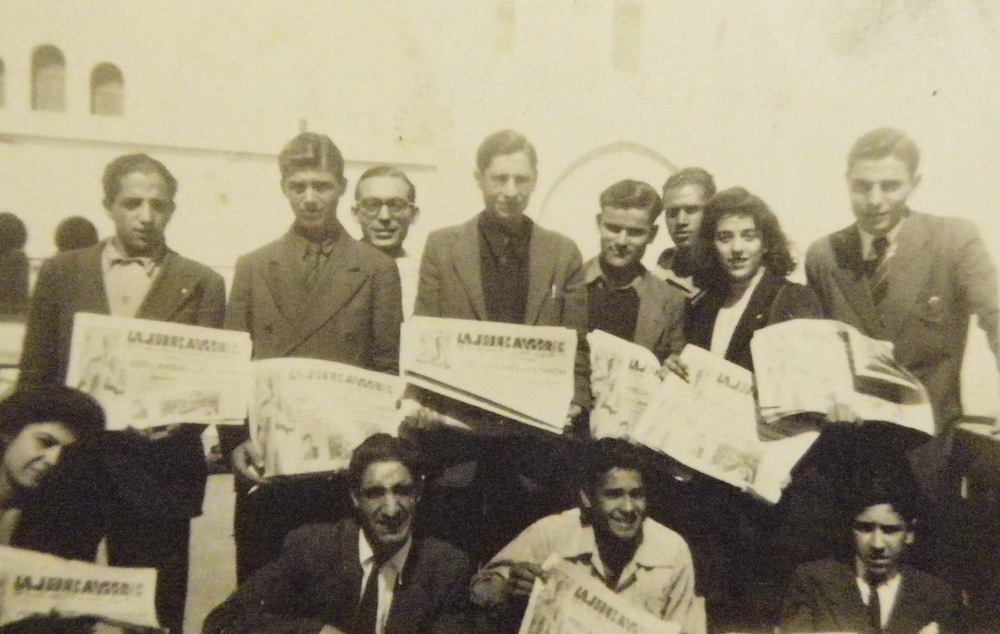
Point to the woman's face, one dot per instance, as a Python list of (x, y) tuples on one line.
[(739, 246), (34, 452)]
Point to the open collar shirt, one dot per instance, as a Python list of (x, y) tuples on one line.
[(127, 280)]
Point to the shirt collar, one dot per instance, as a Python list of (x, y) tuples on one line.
[(867, 239), (647, 555), (593, 272), (326, 243), (113, 253), (493, 227), (366, 555)]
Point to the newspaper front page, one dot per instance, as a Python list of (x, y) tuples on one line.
[(623, 379), (709, 423), (308, 415), (521, 372), (570, 602), (148, 373), (38, 584), (810, 365)]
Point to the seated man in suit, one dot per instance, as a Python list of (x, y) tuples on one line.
[(872, 590), (623, 298), (363, 576), (610, 537)]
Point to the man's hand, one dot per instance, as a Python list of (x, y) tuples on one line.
[(329, 629), (249, 462), (522, 578), (673, 364), (840, 412)]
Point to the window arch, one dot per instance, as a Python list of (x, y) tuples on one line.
[(107, 91), (48, 79)]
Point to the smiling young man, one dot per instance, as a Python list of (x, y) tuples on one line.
[(907, 277), (872, 590), (151, 483), (368, 575), (385, 207), (610, 537), (623, 298)]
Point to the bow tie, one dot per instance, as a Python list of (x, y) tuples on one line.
[(146, 263)]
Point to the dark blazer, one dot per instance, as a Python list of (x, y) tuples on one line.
[(351, 316), (939, 276), (451, 283), (317, 580), (823, 596), (773, 301), (163, 477)]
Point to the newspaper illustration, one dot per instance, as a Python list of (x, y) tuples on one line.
[(623, 379), (149, 373), (521, 372), (808, 365), (38, 584), (308, 415), (709, 423), (571, 602)]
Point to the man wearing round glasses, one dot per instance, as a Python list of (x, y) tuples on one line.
[(385, 209)]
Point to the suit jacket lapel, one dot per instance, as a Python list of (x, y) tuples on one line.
[(909, 605), (754, 316), (909, 267), (466, 258), (283, 278), (170, 289), (851, 279), (90, 278), (541, 271)]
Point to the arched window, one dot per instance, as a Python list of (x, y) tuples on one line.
[(107, 91), (48, 79), (3, 78)]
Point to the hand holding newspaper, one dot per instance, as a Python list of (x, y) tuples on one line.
[(308, 415), (150, 373), (571, 602), (813, 365), (524, 373), (35, 584)]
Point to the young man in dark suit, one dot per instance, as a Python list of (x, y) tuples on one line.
[(367, 575), (151, 483), (318, 293)]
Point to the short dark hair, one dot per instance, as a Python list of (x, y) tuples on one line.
[(630, 194), (891, 484), (50, 402), (737, 201), (502, 143), (387, 170), (692, 176), (603, 455), (127, 164), (883, 142), (75, 232), (311, 151), (13, 232), (382, 447)]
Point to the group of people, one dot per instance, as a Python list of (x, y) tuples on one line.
[(350, 552)]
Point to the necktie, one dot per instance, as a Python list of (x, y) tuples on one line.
[(366, 614), (874, 607), (877, 277), (312, 261)]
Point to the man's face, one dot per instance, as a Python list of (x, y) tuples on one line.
[(141, 210), (617, 506), (386, 502), (507, 184), (682, 208), (313, 195), (880, 537), (30, 455), (384, 211), (879, 189), (625, 234)]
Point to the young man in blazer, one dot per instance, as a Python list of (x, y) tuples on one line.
[(318, 293), (151, 482)]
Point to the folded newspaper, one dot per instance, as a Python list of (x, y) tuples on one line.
[(35, 584), (308, 415), (524, 373), (811, 365), (572, 602), (148, 373)]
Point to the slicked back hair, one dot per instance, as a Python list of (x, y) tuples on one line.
[(391, 171), (127, 164), (630, 194), (883, 142), (502, 143)]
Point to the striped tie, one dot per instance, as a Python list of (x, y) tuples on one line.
[(879, 269)]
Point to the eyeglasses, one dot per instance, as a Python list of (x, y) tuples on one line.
[(370, 207)]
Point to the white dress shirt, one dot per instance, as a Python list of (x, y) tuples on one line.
[(390, 575)]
